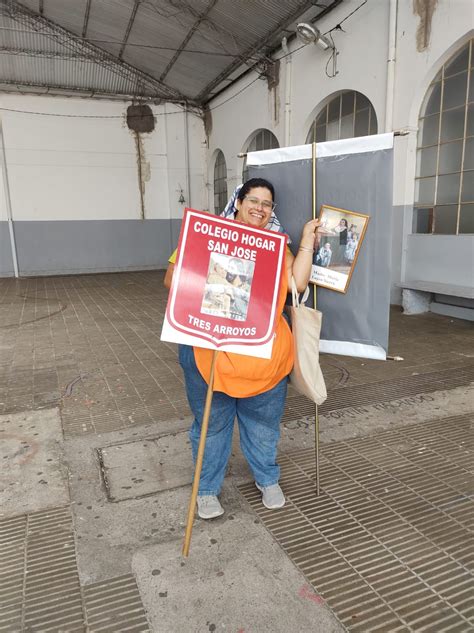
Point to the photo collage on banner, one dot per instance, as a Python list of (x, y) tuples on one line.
[(228, 286)]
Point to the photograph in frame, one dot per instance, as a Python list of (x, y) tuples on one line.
[(228, 285), (340, 238)]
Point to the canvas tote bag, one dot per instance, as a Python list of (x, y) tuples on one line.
[(306, 376)]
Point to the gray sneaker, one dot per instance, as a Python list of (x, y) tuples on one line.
[(272, 496), (209, 507)]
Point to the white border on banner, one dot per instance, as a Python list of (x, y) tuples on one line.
[(261, 348), (169, 334), (346, 348), (345, 146)]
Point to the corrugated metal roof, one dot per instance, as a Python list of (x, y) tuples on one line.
[(163, 49)]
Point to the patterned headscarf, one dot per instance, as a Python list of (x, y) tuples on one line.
[(230, 211)]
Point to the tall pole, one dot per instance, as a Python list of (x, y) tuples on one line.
[(316, 414), (6, 187), (199, 459)]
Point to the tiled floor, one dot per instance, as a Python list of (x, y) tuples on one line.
[(40, 589), (385, 544), (92, 344), (388, 544)]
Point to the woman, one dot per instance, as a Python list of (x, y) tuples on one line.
[(251, 389), (351, 248), (341, 229)]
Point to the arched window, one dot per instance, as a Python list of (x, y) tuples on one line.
[(263, 139), (444, 193), (220, 183), (347, 115)]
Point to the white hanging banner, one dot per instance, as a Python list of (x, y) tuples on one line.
[(344, 147), (355, 175)]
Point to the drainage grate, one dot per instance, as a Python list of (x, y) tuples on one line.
[(115, 605), (299, 406), (38, 575), (39, 583), (12, 537), (388, 544)]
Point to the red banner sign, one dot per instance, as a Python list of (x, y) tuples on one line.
[(225, 285)]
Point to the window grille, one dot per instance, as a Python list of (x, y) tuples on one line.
[(444, 191), (264, 139), (347, 115), (220, 183)]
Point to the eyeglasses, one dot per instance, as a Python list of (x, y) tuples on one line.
[(267, 205)]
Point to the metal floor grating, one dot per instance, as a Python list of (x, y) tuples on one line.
[(115, 606), (383, 391), (389, 542), (39, 582)]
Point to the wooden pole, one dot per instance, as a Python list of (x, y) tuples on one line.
[(199, 459), (316, 414)]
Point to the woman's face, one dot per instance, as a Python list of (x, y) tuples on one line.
[(343, 223), (220, 270), (253, 213)]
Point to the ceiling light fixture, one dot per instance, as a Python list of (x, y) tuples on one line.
[(312, 35)]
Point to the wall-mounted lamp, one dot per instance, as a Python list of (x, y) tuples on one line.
[(181, 199), (312, 35)]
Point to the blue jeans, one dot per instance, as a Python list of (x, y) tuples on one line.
[(259, 427)]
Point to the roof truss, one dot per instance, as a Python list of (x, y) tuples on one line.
[(81, 48)]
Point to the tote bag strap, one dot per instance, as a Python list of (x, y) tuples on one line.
[(295, 294)]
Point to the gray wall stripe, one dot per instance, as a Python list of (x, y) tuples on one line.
[(72, 247)]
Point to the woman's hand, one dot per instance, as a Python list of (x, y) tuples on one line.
[(308, 235), (300, 266)]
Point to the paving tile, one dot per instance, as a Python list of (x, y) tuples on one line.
[(84, 342)]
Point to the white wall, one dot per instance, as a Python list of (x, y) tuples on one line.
[(74, 168), (455, 254), (74, 184), (362, 66), (235, 121), (3, 207)]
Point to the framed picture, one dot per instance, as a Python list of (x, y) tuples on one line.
[(340, 238)]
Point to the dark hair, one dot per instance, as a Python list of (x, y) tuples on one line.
[(345, 221), (255, 182)]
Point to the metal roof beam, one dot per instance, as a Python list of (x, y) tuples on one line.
[(90, 57), (86, 18), (255, 49), (129, 28), (65, 38), (9, 85), (184, 43)]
